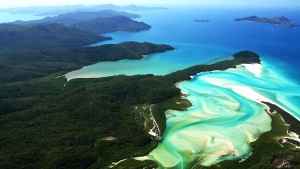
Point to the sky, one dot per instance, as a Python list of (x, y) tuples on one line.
[(261, 3)]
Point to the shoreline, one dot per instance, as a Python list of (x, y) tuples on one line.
[(293, 127), (275, 151), (245, 91), (185, 94), (141, 58)]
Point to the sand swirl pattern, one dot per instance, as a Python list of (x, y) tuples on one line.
[(226, 116)]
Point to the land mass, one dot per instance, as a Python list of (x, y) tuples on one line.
[(98, 22), (57, 10), (201, 20), (74, 17), (112, 24), (283, 21), (30, 64), (47, 122), (57, 125), (44, 36), (66, 30)]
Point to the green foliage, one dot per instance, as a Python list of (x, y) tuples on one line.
[(239, 58), (44, 36), (75, 117), (111, 24), (75, 17), (174, 103), (45, 125), (99, 22), (145, 48), (37, 63), (293, 122)]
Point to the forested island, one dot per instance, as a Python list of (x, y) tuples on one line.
[(57, 10), (66, 30), (74, 17), (283, 21), (98, 22)]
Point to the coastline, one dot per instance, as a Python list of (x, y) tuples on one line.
[(50, 123), (281, 21), (268, 149), (255, 68), (247, 92), (163, 98), (82, 72), (186, 75), (291, 122)]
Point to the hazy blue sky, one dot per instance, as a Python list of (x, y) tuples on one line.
[(11, 3)]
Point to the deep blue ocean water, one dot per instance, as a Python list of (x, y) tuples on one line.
[(198, 43), (205, 42)]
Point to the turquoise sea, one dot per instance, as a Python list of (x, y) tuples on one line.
[(227, 114), (198, 43), (223, 120)]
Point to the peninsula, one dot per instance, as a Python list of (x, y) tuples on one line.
[(282, 21), (28, 64)]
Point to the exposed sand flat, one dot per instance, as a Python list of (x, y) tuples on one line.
[(255, 68), (143, 158), (109, 138), (226, 116)]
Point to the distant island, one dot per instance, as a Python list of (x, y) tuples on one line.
[(283, 21), (201, 20), (74, 17), (111, 24), (57, 10), (104, 21)]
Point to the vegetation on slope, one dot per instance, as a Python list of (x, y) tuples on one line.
[(44, 124), (111, 24), (58, 127), (29, 64), (43, 36), (99, 22), (71, 18), (66, 30), (57, 10)]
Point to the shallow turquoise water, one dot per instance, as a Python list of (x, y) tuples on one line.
[(226, 116), (224, 119), (202, 43)]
